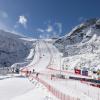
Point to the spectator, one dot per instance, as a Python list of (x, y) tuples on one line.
[(51, 77), (33, 70), (17, 70), (37, 74)]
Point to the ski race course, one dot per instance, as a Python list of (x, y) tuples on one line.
[(46, 85)]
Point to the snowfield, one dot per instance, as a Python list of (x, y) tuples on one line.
[(12, 87), (80, 48), (39, 92), (16, 87), (46, 57), (49, 57)]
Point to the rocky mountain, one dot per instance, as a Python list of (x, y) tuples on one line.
[(82, 44), (13, 48)]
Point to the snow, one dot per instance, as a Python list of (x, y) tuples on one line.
[(68, 87), (39, 93), (31, 54), (46, 56), (16, 87), (13, 49), (45, 62), (45, 59), (81, 47), (12, 87)]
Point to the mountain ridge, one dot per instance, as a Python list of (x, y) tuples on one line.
[(13, 48), (82, 42)]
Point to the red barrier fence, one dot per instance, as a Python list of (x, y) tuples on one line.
[(54, 91)]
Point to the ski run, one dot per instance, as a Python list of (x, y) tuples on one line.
[(44, 83)]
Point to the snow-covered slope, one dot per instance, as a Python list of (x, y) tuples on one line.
[(82, 45), (13, 48)]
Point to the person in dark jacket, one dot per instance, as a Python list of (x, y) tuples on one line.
[(33, 70), (37, 74)]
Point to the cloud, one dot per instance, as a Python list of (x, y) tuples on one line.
[(49, 28), (23, 21), (3, 14), (40, 30), (45, 33), (59, 25), (6, 28), (46, 30), (16, 26), (44, 36), (41, 36), (3, 26)]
